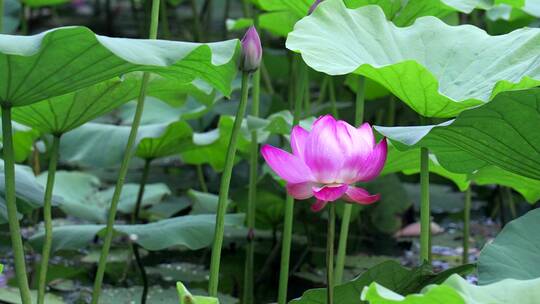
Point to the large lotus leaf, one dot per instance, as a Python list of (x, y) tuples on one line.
[(389, 274), (12, 295), (28, 191), (190, 231), (204, 203), (514, 252), (491, 175), (82, 197), (456, 290), (10, 21), (176, 138), (23, 141), (63, 60), (101, 145), (211, 147), (502, 133), (437, 69), (408, 162), (60, 114)]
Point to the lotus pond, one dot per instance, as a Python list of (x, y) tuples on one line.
[(270, 151)]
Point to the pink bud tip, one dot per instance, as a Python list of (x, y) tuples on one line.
[(251, 51), (314, 6)]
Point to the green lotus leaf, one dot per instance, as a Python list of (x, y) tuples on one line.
[(190, 231), (456, 290), (64, 60), (23, 141), (82, 197), (176, 138), (513, 253), (187, 298), (28, 190), (211, 147), (61, 114), (389, 274), (491, 175), (102, 145), (204, 203), (501, 133), (426, 65), (377, 294), (408, 162)]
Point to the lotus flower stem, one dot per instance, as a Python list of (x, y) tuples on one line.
[(134, 220), (301, 83), (165, 21), (425, 214), (252, 194), (510, 200), (224, 189), (466, 225), (140, 194), (330, 254), (47, 218), (14, 228), (128, 153), (346, 219), (202, 181), (332, 93)]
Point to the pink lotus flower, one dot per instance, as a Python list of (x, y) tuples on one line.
[(328, 161), (251, 51)]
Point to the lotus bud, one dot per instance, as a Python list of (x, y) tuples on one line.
[(251, 51), (314, 6)]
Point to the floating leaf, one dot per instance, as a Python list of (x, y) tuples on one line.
[(41, 66), (514, 252), (389, 274), (28, 191), (501, 133), (82, 198), (457, 290), (437, 69), (190, 231), (101, 145)]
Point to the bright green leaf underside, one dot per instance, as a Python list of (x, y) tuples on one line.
[(456, 290), (501, 133), (59, 61), (437, 69)]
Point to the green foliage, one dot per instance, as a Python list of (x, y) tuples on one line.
[(500, 133), (423, 72), (187, 298), (190, 231), (41, 67), (512, 255), (389, 274), (81, 195), (457, 290)]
